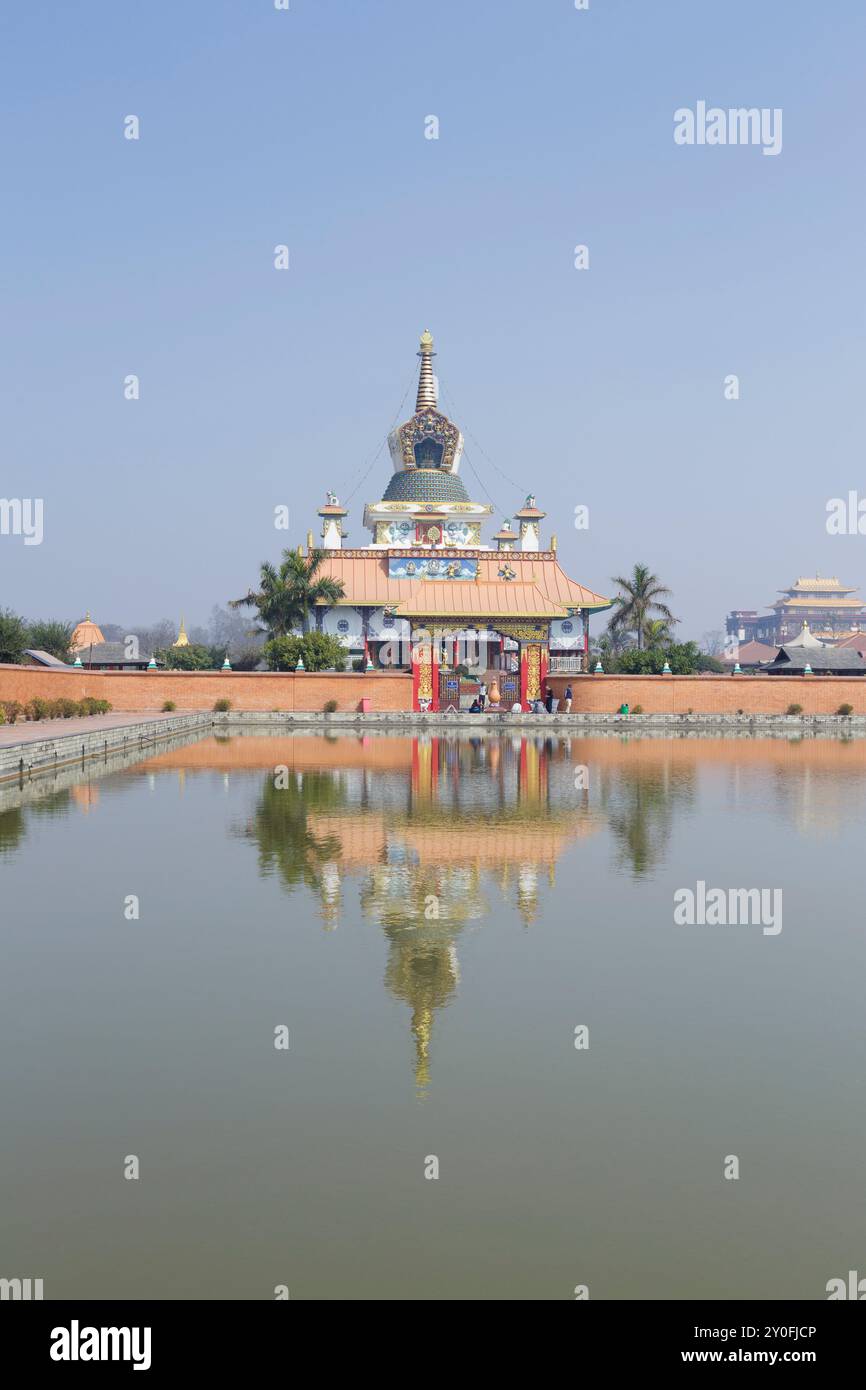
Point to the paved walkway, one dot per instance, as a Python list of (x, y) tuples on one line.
[(39, 730)]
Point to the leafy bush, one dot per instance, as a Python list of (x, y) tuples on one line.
[(59, 709), (683, 658), (52, 637), (12, 710), (320, 651), (2, 715), (794, 709), (330, 706), (13, 637), (358, 663), (168, 707), (246, 660), (638, 709), (222, 706), (845, 709), (191, 658)]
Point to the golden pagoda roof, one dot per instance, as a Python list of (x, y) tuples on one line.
[(86, 634), (819, 582), (801, 603)]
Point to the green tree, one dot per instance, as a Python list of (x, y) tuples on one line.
[(51, 636), (14, 638), (190, 658), (609, 646), (682, 657), (280, 826), (657, 633), (321, 652), (640, 596), (286, 595)]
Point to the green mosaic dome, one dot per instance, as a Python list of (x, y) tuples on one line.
[(425, 485)]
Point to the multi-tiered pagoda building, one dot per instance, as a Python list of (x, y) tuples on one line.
[(507, 609), (825, 607)]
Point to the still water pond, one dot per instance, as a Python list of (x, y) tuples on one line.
[(431, 920)]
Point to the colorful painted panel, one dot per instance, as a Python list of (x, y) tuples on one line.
[(395, 532), (424, 567)]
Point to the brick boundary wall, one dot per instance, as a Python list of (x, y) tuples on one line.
[(712, 694), (286, 691), (391, 691)]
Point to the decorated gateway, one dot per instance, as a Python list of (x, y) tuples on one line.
[(428, 594)]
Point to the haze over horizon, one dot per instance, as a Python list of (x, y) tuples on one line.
[(601, 387)]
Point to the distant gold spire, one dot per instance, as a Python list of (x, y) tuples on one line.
[(426, 385), (182, 639)]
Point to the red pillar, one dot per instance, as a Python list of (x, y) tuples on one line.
[(425, 675)]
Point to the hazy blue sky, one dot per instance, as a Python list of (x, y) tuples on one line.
[(258, 387)]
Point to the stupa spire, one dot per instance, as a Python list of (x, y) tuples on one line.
[(426, 383)]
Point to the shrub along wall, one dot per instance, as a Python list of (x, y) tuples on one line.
[(713, 694), (287, 691)]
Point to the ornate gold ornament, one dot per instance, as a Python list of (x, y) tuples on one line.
[(429, 424), (533, 673)]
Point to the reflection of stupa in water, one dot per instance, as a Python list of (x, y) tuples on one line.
[(424, 972), (472, 827)]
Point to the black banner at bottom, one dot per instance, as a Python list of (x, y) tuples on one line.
[(166, 1338)]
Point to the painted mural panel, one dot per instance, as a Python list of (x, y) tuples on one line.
[(430, 567)]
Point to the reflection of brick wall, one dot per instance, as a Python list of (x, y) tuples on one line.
[(712, 694), (197, 690)]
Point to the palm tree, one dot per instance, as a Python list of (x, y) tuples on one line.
[(657, 633), (610, 645), (638, 599), (286, 595)]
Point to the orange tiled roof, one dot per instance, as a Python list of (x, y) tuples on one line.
[(365, 579), (752, 651), (462, 599), (855, 641)]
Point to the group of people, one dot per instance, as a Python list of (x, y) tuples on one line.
[(549, 705)]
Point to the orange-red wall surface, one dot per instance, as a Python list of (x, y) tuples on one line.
[(291, 692), (712, 694), (286, 691)]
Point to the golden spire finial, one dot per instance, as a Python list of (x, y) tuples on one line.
[(426, 384), (182, 639)]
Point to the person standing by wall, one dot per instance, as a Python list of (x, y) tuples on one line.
[(569, 696), (482, 694)]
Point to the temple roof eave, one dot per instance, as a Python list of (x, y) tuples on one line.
[(366, 582)]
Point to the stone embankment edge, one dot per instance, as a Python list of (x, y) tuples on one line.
[(19, 760), (29, 759)]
